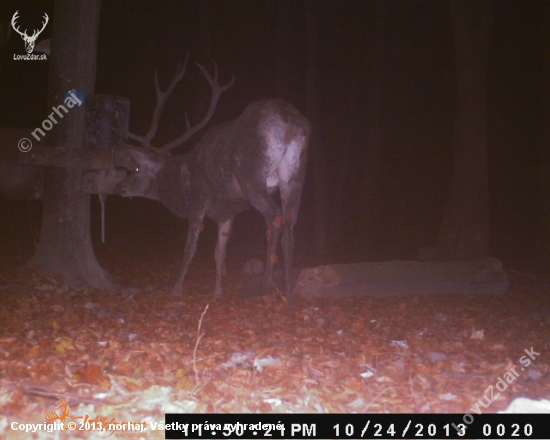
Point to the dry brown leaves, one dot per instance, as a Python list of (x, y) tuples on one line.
[(131, 355)]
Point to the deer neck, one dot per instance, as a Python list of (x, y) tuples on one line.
[(173, 185)]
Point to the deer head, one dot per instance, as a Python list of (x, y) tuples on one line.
[(29, 40)]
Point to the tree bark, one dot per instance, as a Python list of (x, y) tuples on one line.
[(374, 135), (202, 89), (464, 233), (65, 246), (542, 245), (284, 44), (320, 225)]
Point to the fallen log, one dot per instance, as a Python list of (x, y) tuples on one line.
[(403, 278)]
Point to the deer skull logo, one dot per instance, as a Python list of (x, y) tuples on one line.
[(29, 40)]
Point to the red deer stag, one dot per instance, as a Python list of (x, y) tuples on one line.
[(236, 166)]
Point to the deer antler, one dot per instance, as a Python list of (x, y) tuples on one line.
[(217, 90), (44, 23), (29, 40), (35, 32), (162, 97), (13, 20)]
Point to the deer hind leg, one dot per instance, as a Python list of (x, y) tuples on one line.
[(272, 214), (274, 223), (290, 199), (224, 232), (195, 228)]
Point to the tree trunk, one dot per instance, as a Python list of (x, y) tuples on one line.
[(284, 45), (65, 246), (464, 234), (374, 133), (542, 235), (320, 224), (202, 89)]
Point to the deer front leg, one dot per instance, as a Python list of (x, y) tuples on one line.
[(272, 214), (224, 232), (290, 198), (288, 250), (195, 228), (274, 224)]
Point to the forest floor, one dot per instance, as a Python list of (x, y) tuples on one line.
[(134, 355)]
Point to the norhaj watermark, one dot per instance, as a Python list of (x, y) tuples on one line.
[(30, 40), (502, 384), (71, 100)]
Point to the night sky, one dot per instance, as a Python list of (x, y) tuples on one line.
[(393, 201)]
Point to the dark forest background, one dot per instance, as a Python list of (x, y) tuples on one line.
[(386, 89)]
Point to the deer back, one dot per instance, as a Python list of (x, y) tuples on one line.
[(267, 143)]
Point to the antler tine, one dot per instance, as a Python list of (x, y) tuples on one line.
[(162, 98), (217, 90), (178, 75), (131, 135), (13, 20), (214, 81), (44, 23)]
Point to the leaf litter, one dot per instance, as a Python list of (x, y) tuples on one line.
[(138, 353)]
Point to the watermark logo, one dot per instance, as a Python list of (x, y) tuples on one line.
[(30, 40), (72, 98), (501, 385), (58, 419)]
